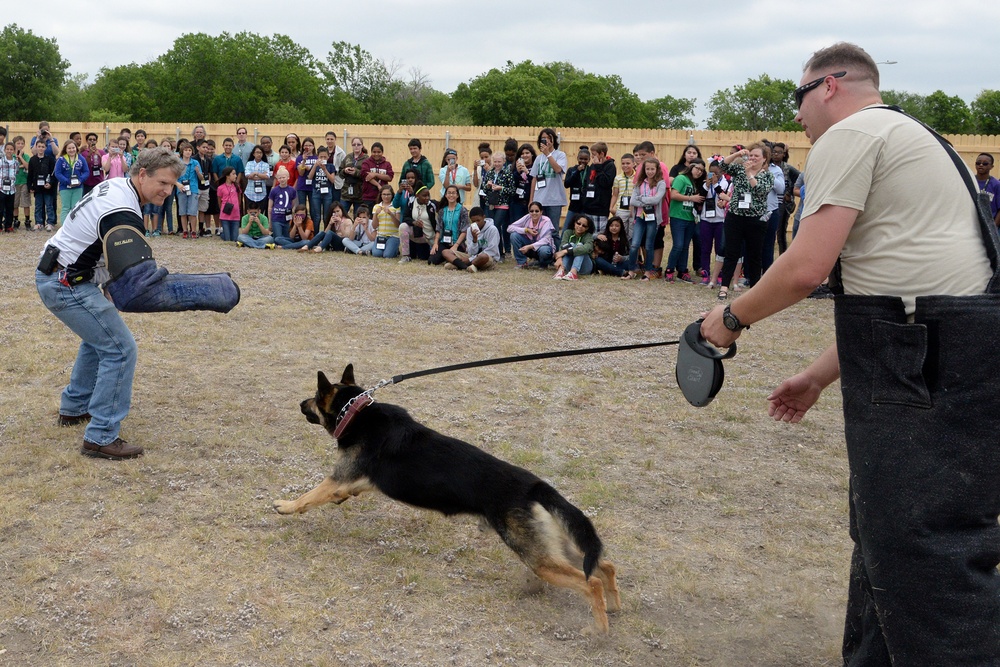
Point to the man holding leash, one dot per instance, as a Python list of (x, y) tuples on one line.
[(921, 286), (68, 279)]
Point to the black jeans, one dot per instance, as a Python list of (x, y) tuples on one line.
[(739, 229), (922, 426)]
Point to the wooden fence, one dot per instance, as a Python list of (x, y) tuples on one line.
[(436, 138)]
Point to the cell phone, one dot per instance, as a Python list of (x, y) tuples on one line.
[(49, 260)]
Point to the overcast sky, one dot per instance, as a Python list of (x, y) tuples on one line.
[(658, 48)]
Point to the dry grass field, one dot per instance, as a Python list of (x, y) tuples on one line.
[(728, 530)]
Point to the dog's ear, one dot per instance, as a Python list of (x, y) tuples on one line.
[(323, 383), (348, 377)]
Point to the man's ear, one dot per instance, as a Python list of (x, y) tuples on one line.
[(348, 377)]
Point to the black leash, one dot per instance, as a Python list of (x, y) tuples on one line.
[(526, 357), (365, 398)]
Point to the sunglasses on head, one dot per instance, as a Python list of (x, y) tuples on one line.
[(801, 91)]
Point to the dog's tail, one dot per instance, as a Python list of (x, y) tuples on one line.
[(579, 527)]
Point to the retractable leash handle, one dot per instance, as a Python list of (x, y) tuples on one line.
[(699, 371)]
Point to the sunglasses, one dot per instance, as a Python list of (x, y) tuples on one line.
[(983, 164), (801, 91)]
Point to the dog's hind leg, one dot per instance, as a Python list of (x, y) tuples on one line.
[(328, 491), (565, 575), (606, 573)]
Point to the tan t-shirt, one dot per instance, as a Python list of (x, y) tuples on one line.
[(917, 232)]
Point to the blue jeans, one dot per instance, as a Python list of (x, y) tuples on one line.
[(609, 268), (554, 213), (518, 241), (770, 236), (582, 263), (280, 228), (319, 204), (251, 242), (288, 244), (45, 207), (230, 229), (501, 218), (325, 239), (681, 231), (643, 235), (391, 248), (101, 381), (166, 214)]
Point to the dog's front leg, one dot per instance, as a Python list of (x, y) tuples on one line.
[(328, 491)]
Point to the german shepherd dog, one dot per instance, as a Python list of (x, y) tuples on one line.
[(384, 448)]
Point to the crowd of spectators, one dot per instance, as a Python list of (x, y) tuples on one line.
[(524, 204)]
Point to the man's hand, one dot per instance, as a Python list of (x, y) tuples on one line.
[(793, 397)]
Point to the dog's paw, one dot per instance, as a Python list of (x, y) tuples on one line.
[(284, 506)]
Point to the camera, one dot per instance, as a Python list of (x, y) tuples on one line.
[(567, 246)]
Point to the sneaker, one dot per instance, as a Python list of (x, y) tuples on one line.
[(559, 274), (48, 228), (38, 227), (149, 235), (239, 244), (116, 451), (571, 276), (686, 278), (669, 276), (472, 268), (742, 282), (706, 281), (156, 233), (404, 259), (269, 246), (184, 235), (448, 266)]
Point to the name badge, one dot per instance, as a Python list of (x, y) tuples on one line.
[(41, 181), (625, 201), (446, 238), (204, 183), (74, 182), (258, 187), (744, 201), (540, 183), (350, 190), (520, 192), (324, 190), (575, 196), (380, 243), (591, 193), (309, 181)]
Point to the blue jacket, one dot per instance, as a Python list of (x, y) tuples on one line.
[(62, 172)]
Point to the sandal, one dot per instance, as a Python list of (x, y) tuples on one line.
[(723, 294), (628, 276)]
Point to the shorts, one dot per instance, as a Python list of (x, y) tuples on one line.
[(202, 202), (187, 204), (658, 239), (22, 198)]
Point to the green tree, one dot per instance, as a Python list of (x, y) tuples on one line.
[(128, 91), (585, 102), (912, 103), (73, 102), (986, 112), (948, 114), (671, 113), (32, 73), (522, 94), (760, 104)]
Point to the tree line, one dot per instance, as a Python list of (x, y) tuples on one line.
[(251, 78)]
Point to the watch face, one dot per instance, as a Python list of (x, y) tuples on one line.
[(730, 320)]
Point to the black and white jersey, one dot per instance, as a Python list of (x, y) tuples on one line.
[(80, 239)]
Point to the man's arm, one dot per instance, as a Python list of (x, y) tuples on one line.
[(792, 277), (792, 398)]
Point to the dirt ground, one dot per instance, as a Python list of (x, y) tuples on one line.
[(728, 530)]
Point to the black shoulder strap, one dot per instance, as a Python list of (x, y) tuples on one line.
[(991, 239)]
